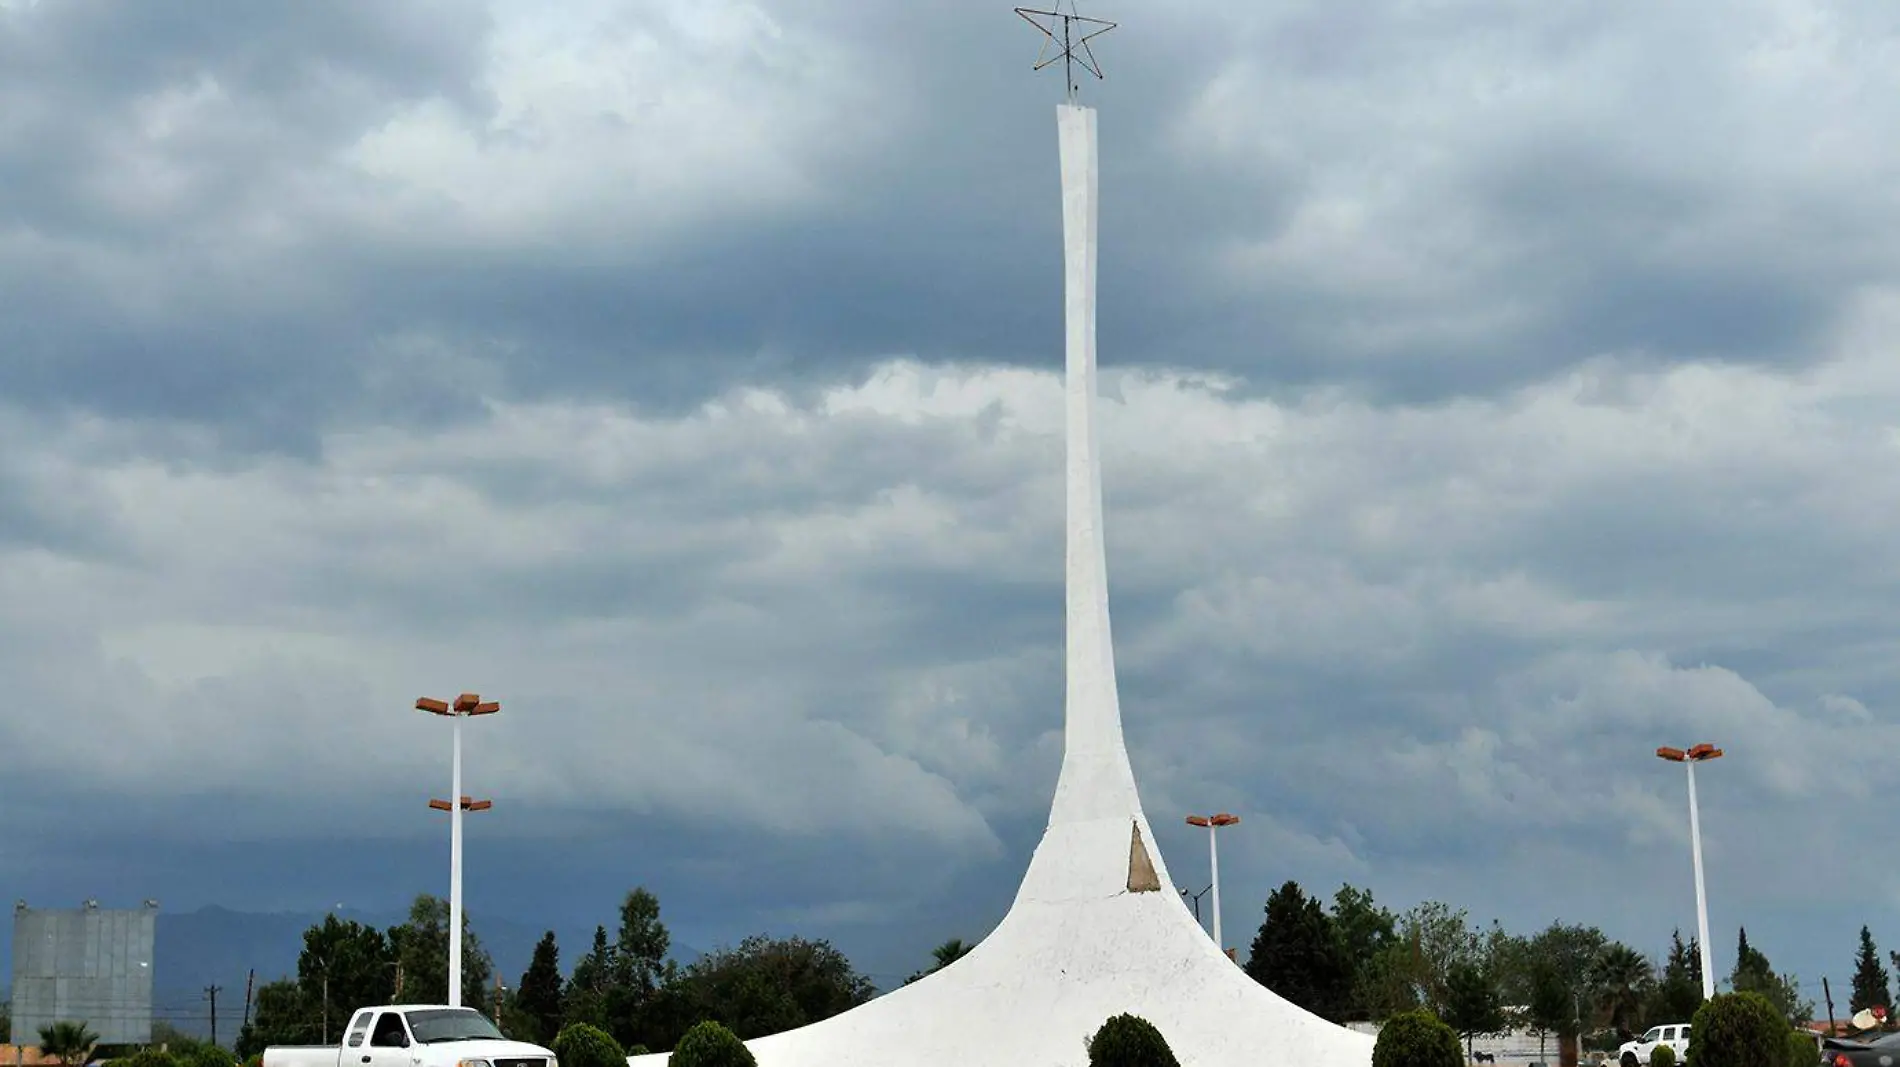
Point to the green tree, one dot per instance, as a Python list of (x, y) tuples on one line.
[(1548, 1009), (1129, 1041), (345, 966), (1870, 977), (637, 969), (943, 956), (1678, 991), (1416, 1039), (1299, 956), (1366, 934), (538, 996), (1622, 980), (1754, 974), (1738, 1030), (586, 999), (68, 1042), (421, 945), (709, 1044), (1435, 938), (763, 986), (1570, 951), (281, 1015), (1472, 1007)]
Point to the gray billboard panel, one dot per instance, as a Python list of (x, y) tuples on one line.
[(90, 965)]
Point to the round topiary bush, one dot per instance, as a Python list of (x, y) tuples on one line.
[(1129, 1041), (710, 1045), (1803, 1049), (581, 1045), (1416, 1039), (1664, 1056), (1737, 1030)]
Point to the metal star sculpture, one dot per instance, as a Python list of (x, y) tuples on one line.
[(1073, 42)]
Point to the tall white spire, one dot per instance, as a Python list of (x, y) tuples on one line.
[(1096, 928)]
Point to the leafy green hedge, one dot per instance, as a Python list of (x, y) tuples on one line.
[(1416, 1039), (581, 1045), (710, 1045), (1129, 1041), (1738, 1030), (147, 1057), (1803, 1050)]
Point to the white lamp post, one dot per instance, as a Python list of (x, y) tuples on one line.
[(1213, 824), (1699, 754), (465, 705)]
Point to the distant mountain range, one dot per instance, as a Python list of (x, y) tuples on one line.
[(217, 946)]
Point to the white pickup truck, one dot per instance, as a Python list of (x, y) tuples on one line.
[(415, 1035), (1636, 1053)]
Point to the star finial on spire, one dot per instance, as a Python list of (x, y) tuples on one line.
[(1072, 42)]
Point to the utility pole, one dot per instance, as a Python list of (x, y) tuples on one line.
[(212, 991), (1829, 995), (465, 705), (397, 995), (249, 981), (497, 1019)]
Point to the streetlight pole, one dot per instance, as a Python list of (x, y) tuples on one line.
[(465, 705), (1195, 900), (1699, 754), (1213, 823)]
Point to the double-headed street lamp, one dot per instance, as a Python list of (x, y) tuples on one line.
[(1699, 754), (465, 705), (1214, 823)]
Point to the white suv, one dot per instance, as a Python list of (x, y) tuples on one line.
[(1635, 1053)]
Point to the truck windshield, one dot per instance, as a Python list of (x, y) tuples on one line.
[(431, 1025)]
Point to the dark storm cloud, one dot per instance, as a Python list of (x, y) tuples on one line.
[(203, 264)]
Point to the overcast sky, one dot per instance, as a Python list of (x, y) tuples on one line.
[(1493, 392)]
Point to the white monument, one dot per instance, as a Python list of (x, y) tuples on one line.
[(1097, 928)]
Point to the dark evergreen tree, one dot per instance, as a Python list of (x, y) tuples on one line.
[(1870, 977), (1679, 991), (1298, 955), (639, 967), (1550, 1007), (1472, 1005), (1754, 974), (538, 997), (762, 987), (586, 998)]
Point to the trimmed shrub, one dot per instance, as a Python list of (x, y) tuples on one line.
[(1738, 1030), (709, 1044), (1664, 1056), (581, 1045), (147, 1057), (1417, 1039), (1129, 1041), (638, 1050), (201, 1054), (1803, 1049)]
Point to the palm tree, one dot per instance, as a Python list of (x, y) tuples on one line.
[(950, 952), (1621, 978), (68, 1041), (945, 954)]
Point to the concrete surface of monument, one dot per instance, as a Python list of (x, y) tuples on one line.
[(1097, 927)]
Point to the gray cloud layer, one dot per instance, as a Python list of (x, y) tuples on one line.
[(1495, 395)]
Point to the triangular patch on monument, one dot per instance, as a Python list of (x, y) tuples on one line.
[(1141, 870)]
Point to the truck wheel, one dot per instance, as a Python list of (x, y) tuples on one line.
[(1629, 1059)]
